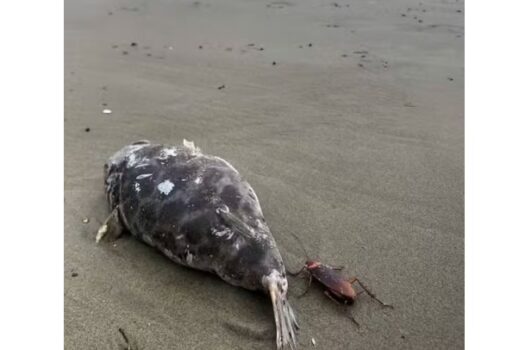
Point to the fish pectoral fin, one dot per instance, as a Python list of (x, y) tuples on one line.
[(235, 222), (111, 228)]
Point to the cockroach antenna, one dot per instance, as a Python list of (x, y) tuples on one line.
[(301, 244)]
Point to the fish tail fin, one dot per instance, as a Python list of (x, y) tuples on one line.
[(285, 321)]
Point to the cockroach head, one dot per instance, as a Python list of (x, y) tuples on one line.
[(311, 264)]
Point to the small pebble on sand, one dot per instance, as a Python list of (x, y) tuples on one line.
[(85, 220), (124, 52), (87, 129), (310, 45), (274, 63), (221, 87), (313, 342), (74, 274), (133, 44), (107, 111), (450, 79)]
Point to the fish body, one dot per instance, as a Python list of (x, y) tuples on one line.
[(199, 212)]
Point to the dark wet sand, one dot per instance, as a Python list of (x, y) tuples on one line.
[(354, 143)]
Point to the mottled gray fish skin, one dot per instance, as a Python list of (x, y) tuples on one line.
[(199, 212), (174, 199)]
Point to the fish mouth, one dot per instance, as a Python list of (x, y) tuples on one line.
[(285, 322)]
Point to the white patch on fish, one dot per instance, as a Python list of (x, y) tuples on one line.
[(145, 162), (198, 180), (167, 152), (132, 160), (221, 233), (168, 253), (274, 277), (143, 176), (179, 237), (147, 239), (189, 258), (137, 187), (223, 208), (165, 187), (125, 152)]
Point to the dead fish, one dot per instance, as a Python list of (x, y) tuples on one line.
[(201, 213)]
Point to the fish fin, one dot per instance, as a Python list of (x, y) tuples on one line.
[(191, 147), (285, 322), (235, 222), (112, 227)]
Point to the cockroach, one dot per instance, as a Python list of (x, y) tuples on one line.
[(337, 288)]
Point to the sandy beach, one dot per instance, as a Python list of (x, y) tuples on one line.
[(346, 117)]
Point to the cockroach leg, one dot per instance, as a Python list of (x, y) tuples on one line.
[(296, 273), (329, 295), (307, 287), (372, 295), (349, 314)]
